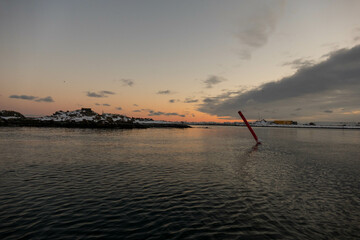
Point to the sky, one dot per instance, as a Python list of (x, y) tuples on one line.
[(190, 60)]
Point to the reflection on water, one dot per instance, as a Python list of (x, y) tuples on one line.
[(179, 183), (254, 148)]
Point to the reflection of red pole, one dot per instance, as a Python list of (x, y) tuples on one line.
[(249, 127)]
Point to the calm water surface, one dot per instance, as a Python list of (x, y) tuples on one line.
[(179, 184)]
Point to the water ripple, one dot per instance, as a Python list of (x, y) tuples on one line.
[(177, 184)]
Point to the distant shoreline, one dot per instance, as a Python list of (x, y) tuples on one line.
[(86, 124), (86, 118), (309, 126), (283, 126), (93, 125)]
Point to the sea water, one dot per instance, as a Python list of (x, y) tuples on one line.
[(197, 183)]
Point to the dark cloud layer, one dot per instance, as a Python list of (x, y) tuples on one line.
[(101, 94), (327, 86), (119, 108), (33, 98)]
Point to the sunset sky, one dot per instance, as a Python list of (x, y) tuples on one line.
[(190, 60)]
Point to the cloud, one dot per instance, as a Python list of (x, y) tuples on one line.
[(135, 105), (93, 94), (46, 99), (331, 84), (164, 92), (153, 113), (222, 97), (101, 94), (127, 82), (189, 100), (171, 100), (244, 54), (137, 111), (356, 33), (24, 97), (104, 104), (119, 108), (32, 98), (259, 26), (328, 111), (107, 92), (299, 63), (213, 80)]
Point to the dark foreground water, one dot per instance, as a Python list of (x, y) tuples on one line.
[(179, 184)]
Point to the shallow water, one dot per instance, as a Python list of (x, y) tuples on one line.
[(179, 183)]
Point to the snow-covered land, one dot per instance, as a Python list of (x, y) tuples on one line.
[(85, 114), (83, 118)]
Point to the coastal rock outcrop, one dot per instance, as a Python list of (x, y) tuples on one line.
[(82, 118)]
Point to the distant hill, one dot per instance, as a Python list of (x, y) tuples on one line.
[(5, 114), (82, 118)]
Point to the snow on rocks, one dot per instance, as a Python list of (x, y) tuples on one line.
[(5, 114), (85, 114)]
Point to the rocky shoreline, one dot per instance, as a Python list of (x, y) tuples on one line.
[(84, 118)]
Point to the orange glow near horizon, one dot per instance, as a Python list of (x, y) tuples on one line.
[(32, 108)]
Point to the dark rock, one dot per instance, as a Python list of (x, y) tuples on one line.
[(6, 113)]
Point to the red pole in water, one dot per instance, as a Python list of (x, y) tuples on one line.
[(249, 127)]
